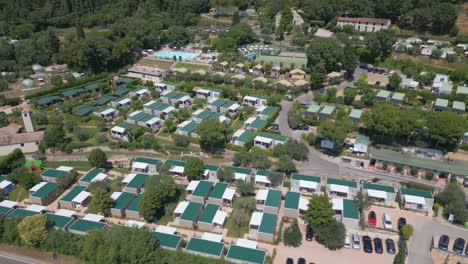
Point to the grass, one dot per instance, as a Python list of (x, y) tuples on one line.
[(165, 134), (276, 60), (235, 230), (238, 124), (192, 67), (18, 194), (78, 165), (156, 63)]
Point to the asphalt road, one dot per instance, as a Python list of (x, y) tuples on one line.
[(4, 259)]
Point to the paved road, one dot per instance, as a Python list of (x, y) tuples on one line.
[(9, 259)]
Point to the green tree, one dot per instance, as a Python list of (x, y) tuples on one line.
[(320, 211), (334, 131), (181, 140), (102, 202), (394, 81), (331, 235), (55, 137), (452, 198), (285, 165), (33, 230), (194, 168), (318, 75), (225, 174), (12, 161), (380, 43), (292, 149), (446, 128), (292, 236), (407, 231), (245, 188), (327, 51), (97, 158), (213, 134), (160, 190)]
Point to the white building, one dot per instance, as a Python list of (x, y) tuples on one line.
[(364, 24)]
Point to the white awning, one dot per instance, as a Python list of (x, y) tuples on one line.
[(260, 109), (414, 199), (99, 177), (262, 179), (303, 204), (256, 219), (93, 217), (261, 195), (153, 121), (337, 204), (36, 208), (168, 109), (238, 133), (377, 194), (240, 176), (5, 184), (249, 120), (118, 129), (139, 165), (339, 188), (185, 98), (65, 212), (129, 178), (81, 197), (37, 186), (229, 194), (192, 186), (234, 107), (246, 243), (166, 229), (8, 203), (220, 218), (308, 184), (180, 209), (133, 223), (115, 195), (197, 112), (107, 111), (134, 113), (263, 139), (149, 103), (124, 101), (65, 168), (212, 237), (250, 98), (177, 169), (142, 91)]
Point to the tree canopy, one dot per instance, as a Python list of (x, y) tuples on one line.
[(97, 158), (160, 190), (194, 168)]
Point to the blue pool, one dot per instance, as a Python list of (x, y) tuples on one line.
[(178, 54)]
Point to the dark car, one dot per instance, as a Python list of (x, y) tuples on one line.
[(302, 127), (289, 261), (309, 233), (401, 223), (466, 251), (274, 127), (367, 242), (459, 245), (372, 218), (378, 245), (301, 261), (381, 71), (390, 246), (444, 242)]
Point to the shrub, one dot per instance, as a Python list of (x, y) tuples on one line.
[(429, 176), (407, 231), (181, 141), (292, 236), (414, 172)]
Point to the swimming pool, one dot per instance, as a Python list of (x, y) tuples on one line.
[(178, 54)]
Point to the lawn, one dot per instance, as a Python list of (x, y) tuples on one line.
[(156, 63), (192, 67), (238, 124), (18, 194), (276, 60), (165, 134), (78, 165), (235, 230)]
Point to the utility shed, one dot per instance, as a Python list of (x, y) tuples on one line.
[(121, 201), (269, 200), (294, 204), (132, 210), (43, 193), (222, 195), (198, 191)]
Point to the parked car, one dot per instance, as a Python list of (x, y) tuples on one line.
[(387, 221), (347, 241), (459, 245), (372, 218), (378, 245), (302, 127), (444, 242), (301, 261), (309, 233), (356, 241), (289, 261), (367, 244), (401, 223), (381, 71), (466, 250), (305, 103), (390, 246), (274, 127)]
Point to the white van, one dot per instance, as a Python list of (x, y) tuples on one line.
[(387, 221), (347, 241)]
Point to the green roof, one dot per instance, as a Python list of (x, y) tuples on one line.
[(453, 166), (249, 255), (211, 167), (138, 116), (240, 170), (123, 200), (121, 90), (189, 127), (383, 94), (4, 210), (91, 87), (134, 204), (258, 123), (84, 110), (276, 137), (203, 188), (21, 213), (462, 90), (59, 221), (209, 213), (415, 192), (157, 106), (53, 173), (100, 110), (126, 80), (246, 136), (355, 113), (273, 198), (218, 103), (268, 224), (267, 172), (445, 88), (104, 100), (204, 114), (327, 110), (88, 177), (459, 105), (205, 246), (441, 102), (350, 209), (48, 100), (218, 190), (398, 96), (72, 92), (191, 212), (269, 111), (168, 240), (314, 108), (361, 139), (342, 182), (46, 190), (147, 160), (138, 181), (302, 177), (292, 200), (86, 225), (73, 193), (178, 163), (378, 187)]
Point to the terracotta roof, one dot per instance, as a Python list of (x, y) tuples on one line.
[(11, 129), (364, 20), (21, 138)]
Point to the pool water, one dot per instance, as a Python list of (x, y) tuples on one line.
[(177, 54)]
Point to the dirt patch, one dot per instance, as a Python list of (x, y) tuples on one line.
[(150, 62), (35, 256), (439, 256), (373, 78), (462, 20), (459, 155)]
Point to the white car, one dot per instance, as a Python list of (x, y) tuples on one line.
[(347, 241), (356, 241), (387, 221)]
